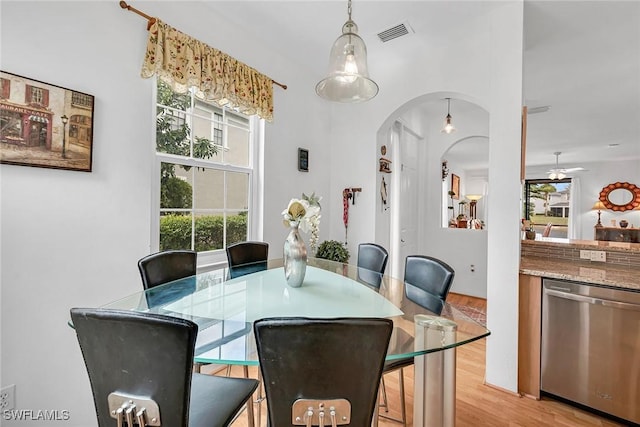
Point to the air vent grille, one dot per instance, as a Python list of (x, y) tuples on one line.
[(395, 32)]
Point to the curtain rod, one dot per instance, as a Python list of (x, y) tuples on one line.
[(151, 20)]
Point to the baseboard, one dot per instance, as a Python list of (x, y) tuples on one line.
[(503, 390)]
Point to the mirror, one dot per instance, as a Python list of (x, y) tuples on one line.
[(620, 196)]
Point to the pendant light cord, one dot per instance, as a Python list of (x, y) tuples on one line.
[(349, 9)]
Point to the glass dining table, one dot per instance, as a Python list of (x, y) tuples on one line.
[(225, 302)]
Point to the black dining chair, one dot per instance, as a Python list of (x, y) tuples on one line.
[(167, 266), (312, 365), (247, 257), (140, 370), (372, 261), (427, 282)]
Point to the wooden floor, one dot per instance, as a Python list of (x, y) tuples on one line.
[(478, 405)]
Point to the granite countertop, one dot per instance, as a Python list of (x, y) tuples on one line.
[(582, 271), (584, 244)]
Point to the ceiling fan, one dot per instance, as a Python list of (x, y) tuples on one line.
[(561, 173)]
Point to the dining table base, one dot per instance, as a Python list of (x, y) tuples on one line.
[(434, 402)]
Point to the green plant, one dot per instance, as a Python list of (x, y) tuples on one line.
[(175, 231), (333, 250)]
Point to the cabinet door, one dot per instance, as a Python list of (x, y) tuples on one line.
[(529, 309)]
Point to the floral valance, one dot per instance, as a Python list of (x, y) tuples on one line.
[(183, 62)]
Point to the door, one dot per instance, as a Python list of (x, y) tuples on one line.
[(409, 197)]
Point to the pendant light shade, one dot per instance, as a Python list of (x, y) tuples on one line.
[(448, 127), (348, 78)]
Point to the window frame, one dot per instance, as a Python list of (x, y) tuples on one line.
[(527, 196), (254, 169)]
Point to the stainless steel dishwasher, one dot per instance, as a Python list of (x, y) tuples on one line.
[(591, 346)]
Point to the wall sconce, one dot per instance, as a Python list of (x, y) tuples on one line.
[(598, 206)]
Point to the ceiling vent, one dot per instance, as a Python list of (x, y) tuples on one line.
[(536, 110), (395, 32)]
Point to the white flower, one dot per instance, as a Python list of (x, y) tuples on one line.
[(305, 212)]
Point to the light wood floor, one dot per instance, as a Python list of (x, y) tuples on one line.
[(478, 405)]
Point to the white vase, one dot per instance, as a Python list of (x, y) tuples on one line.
[(295, 258)]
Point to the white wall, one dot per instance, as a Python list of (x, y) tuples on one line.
[(73, 239), (494, 53)]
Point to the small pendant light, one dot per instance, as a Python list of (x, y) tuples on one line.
[(348, 79), (448, 126)]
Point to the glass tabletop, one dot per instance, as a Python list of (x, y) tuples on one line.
[(225, 302)]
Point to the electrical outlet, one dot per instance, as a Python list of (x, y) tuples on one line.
[(585, 254), (600, 256), (8, 397)]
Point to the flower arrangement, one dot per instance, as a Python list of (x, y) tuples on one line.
[(305, 213)]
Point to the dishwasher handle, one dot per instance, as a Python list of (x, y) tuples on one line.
[(591, 300)]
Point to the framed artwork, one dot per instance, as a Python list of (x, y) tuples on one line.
[(303, 160), (45, 125), (455, 186)]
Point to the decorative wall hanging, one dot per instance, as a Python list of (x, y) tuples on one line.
[(384, 162), (383, 194), (303, 160), (445, 170), (385, 165), (620, 196), (45, 125), (346, 195), (455, 186)]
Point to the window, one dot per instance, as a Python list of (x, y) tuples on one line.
[(205, 165), (36, 96), (5, 90), (81, 100), (10, 127), (547, 202), (80, 130)]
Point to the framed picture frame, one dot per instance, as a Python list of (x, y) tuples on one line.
[(303, 160), (44, 125), (455, 186)]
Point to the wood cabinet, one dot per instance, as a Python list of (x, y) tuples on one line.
[(617, 234), (529, 334)]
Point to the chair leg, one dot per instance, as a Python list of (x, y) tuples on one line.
[(385, 402), (250, 413), (376, 415), (403, 411), (403, 408), (259, 397)]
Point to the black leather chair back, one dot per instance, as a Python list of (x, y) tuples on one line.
[(167, 266), (427, 281), (140, 354), (322, 359), (372, 261), (247, 257)]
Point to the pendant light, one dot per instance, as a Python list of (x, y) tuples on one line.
[(348, 79), (448, 126)]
